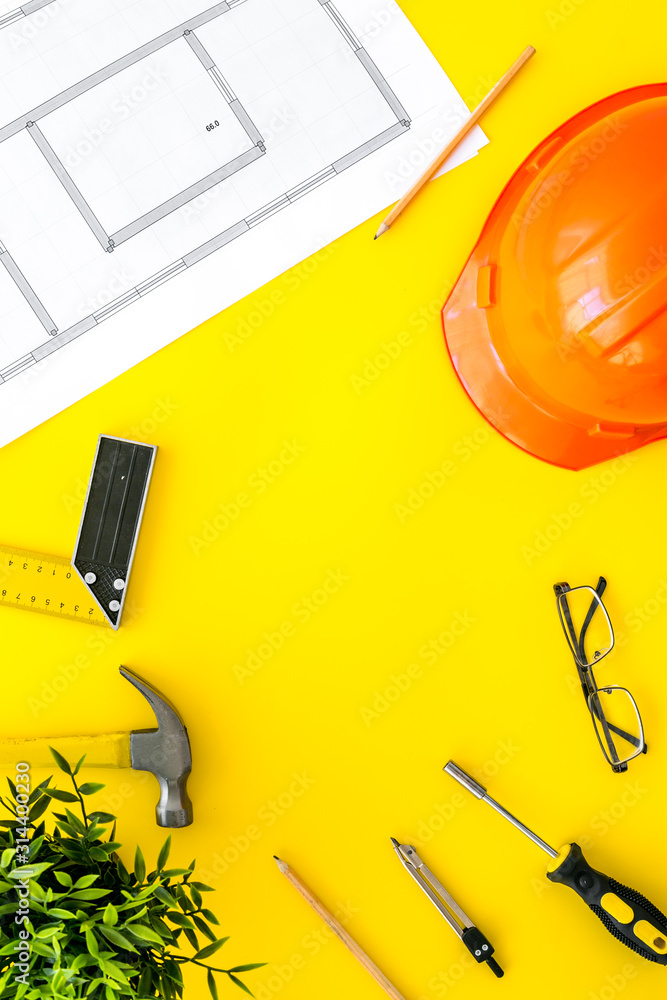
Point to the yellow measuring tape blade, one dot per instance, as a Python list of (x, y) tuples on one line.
[(47, 584)]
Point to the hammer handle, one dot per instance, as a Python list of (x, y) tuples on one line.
[(110, 750)]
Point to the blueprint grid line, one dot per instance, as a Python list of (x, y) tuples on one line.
[(185, 32)]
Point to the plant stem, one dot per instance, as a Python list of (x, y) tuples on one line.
[(80, 797)]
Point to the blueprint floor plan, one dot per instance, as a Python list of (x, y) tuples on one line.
[(141, 140)]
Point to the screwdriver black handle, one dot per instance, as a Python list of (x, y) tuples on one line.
[(626, 914), (481, 949)]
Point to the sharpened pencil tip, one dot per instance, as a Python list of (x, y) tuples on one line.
[(281, 864), (384, 228)]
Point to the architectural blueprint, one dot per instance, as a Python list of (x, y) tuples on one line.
[(160, 159)]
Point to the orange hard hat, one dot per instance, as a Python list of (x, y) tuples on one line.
[(557, 326)]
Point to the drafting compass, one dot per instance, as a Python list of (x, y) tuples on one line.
[(478, 946)]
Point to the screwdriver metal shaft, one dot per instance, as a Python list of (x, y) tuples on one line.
[(479, 792)]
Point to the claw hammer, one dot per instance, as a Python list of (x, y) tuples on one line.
[(164, 751)]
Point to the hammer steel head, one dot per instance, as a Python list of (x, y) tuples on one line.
[(165, 752)]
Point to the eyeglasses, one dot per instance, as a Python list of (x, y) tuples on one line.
[(590, 636)]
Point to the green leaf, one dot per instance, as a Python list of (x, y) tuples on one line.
[(7, 856), (60, 761), (110, 917), (110, 846), (247, 968), (164, 896), (145, 979), (101, 817), (196, 897), (80, 962), (90, 787), (204, 928), (56, 793), (179, 919), (114, 970), (89, 894), (85, 881), (43, 949), (139, 866), (76, 769), (115, 936), (201, 886), (191, 936), (36, 891), (164, 854), (97, 854), (75, 822), (48, 930), (24, 871), (95, 831), (145, 934), (57, 911), (239, 983), (39, 808), (210, 916), (173, 872), (35, 845), (69, 830), (92, 944), (211, 949), (210, 978)]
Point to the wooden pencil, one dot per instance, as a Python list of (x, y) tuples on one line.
[(338, 929), (468, 124)]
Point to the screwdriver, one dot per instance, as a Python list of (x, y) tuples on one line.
[(626, 914)]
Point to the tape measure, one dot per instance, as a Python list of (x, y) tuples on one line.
[(47, 584)]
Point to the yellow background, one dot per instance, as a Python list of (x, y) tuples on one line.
[(502, 699)]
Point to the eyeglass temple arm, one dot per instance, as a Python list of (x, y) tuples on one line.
[(619, 732)]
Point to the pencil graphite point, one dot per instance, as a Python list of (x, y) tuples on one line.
[(384, 228), (281, 864)]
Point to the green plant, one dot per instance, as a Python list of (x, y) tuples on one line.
[(93, 928)]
